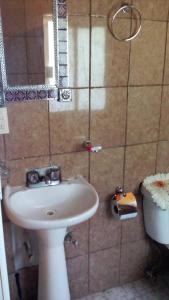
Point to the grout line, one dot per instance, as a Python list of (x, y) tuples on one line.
[(90, 69), (145, 143), (162, 92), (89, 133), (127, 18), (126, 123), (119, 86), (23, 73), (125, 147), (117, 244), (79, 15), (130, 85), (49, 136), (83, 151), (26, 46)]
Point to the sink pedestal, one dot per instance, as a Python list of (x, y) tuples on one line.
[(53, 280), (50, 210)]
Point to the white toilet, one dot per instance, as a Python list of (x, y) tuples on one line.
[(156, 219)]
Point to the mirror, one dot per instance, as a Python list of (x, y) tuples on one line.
[(28, 41), (33, 49)]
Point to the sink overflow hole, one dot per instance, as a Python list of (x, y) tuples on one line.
[(50, 212)]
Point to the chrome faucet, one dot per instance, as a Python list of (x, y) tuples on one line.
[(43, 176)]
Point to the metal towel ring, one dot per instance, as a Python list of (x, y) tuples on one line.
[(125, 9)]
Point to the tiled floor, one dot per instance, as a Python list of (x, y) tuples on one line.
[(138, 290)]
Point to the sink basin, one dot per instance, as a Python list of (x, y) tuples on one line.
[(69, 203), (50, 210)]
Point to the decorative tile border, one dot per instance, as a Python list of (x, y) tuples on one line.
[(63, 43), (18, 95), (62, 9)]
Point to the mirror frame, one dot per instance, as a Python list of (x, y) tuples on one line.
[(59, 91)]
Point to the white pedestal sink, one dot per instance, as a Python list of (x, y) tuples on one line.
[(50, 210)]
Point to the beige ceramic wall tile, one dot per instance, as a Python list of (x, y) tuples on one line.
[(69, 123), (133, 229), (163, 157), (153, 9), (13, 17), (78, 8), (105, 232), (143, 114), (106, 169), (78, 276), (110, 63), (108, 116), (164, 126), (17, 168), (140, 162), (28, 123), (166, 71), (104, 269), (102, 8), (79, 51), (134, 260), (147, 54), (80, 233), (72, 164)]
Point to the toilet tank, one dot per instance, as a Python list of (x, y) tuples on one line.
[(156, 220)]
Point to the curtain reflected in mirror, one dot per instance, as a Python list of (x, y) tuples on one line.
[(28, 41)]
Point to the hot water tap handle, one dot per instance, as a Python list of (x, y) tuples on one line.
[(89, 147)]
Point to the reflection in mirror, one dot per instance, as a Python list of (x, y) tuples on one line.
[(28, 41)]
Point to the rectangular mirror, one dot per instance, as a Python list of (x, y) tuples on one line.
[(33, 49)]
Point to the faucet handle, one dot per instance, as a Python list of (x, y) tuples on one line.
[(53, 174), (43, 176), (91, 148), (32, 177)]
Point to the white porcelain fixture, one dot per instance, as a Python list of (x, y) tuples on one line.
[(156, 219), (50, 210)]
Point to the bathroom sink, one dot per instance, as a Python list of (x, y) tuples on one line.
[(68, 203), (50, 210)]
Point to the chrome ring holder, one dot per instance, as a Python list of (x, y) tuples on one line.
[(125, 9)]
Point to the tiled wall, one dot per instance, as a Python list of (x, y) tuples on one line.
[(120, 100)]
